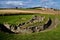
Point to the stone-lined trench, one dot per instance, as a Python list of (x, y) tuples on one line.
[(31, 29)]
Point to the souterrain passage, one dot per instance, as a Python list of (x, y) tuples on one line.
[(35, 24)]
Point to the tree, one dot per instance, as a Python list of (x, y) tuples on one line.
[(16, 7)]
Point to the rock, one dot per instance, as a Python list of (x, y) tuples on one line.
[(41, 18), (33, 29), (35, 17), (6, 25), (35, 21), (5, 28)]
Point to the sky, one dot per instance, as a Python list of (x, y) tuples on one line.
[(30, 3)]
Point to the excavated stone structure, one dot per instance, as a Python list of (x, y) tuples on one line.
[(31, 29)]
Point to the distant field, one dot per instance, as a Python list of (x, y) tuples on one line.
[(53, 34), (14, 11)]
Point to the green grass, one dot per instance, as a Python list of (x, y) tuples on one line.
[(53, 34), (15, 19)]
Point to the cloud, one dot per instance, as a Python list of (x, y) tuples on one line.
[(14, 3), (48, 3), (29, 3)]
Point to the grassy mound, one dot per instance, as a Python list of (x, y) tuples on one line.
[(53, 34)]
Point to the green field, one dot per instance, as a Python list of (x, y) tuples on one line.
[(53, 34), (15, 19)]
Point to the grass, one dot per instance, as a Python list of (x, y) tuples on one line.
[(53, 34), (15, 19)]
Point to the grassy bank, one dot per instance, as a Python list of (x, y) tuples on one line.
[(53, 34)]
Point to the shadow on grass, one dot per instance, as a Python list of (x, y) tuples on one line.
[(10, 14)]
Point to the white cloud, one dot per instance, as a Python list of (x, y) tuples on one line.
[(14, 3), (48, 3), (30, 3), (18, 2)]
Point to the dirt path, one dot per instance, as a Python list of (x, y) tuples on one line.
[(27, 11)]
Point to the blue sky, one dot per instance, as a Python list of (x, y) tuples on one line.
[(30, 3)]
